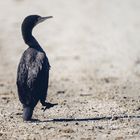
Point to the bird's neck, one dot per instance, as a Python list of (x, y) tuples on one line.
[(30, 40)]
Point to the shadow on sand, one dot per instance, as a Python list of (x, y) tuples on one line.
[(88, 119)]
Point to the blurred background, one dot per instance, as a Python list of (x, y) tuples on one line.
[(101, 37)]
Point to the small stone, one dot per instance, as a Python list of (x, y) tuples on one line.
[(138, 109), (60, 92), (11, 117), (76, 123)]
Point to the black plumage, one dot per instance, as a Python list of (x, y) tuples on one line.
[(33, 70)]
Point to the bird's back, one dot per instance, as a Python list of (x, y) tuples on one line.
[(32, 76)]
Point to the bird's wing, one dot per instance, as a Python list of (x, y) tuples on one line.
[(22, 74), (44, 80), (37, 80), (32, 81)]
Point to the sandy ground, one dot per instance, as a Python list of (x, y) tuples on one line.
[(94, 51)]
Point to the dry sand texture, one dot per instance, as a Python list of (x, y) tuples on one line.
[(94, 50)]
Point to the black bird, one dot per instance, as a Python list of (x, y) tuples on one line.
[(33, 70)]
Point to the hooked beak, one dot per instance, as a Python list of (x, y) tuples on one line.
[(41, 19)]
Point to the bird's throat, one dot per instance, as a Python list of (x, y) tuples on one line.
[(30, 40)]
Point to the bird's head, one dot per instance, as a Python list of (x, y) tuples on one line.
[(29, 23), (32, 20)]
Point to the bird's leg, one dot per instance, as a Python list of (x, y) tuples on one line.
[(27, 113)]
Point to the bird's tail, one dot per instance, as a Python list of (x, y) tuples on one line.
[(27, 113), (49, 105)]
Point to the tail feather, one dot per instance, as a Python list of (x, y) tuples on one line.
[(49, 105)]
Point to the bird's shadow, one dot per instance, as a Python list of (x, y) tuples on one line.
[(87, 119)]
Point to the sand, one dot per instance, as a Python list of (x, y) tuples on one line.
[(93, 47)]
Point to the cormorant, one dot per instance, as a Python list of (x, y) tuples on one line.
[(33, 70)]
